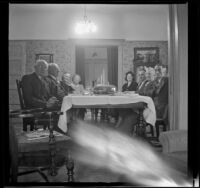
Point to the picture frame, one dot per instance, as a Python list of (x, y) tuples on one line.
[(146, 54), (47, 57)]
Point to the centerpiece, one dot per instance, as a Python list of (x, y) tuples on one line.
[(102, 89)]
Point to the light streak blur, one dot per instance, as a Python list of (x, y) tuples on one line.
[(132, 157)]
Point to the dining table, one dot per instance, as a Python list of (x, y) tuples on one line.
[(144, 105)]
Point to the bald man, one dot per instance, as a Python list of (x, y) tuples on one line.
[(36, 91)]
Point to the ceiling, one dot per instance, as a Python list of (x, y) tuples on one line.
[(112, 8), (57, 21)]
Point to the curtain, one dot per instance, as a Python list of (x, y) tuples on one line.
[(112, 53), (80, 63)]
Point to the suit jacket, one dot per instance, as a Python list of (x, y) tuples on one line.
[(147, 88), (55, 87), (36, 92), (141, 87), (131, 87), (160, 96)]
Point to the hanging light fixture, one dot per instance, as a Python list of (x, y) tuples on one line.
[(85, 26)]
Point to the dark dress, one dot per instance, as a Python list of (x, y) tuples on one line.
[(132, 87)]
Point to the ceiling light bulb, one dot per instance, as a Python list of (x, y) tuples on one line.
[(85, 26)]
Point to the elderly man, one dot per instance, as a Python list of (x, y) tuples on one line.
[(160, 93), (147, 87), (142, 81), (36, 91), (54, 85)]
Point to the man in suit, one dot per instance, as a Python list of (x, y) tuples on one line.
[(147, 88), (160, 94), (36, 91), (55, 87), (141, 82)]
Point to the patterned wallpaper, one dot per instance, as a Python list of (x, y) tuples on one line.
[(61, 50), (128, 52)]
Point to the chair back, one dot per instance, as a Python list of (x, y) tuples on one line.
[(165, 112), (13, 153), (165, 115), (20, 94)]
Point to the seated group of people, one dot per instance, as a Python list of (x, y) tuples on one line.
[(42, 89), (152, 83)]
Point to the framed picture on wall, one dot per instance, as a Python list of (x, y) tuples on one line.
[(47, 57), (146, 54)]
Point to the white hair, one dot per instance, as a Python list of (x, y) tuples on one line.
[(151, 71), (164, 71), (76, 75), (52, 67), (39, 62), (66, 74)]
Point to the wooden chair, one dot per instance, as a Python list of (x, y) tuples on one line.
[(29, 120), (162, 122), (141, 125), (151, 129), (38, 155), (159, 122)]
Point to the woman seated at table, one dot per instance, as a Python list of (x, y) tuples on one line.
[(123, 115), (130, 84), (78, 89)]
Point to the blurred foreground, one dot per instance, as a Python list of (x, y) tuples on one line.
[(128, 156)]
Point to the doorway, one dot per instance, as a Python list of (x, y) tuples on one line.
[(97, 64)]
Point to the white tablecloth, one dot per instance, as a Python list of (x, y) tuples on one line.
[(149, 113)]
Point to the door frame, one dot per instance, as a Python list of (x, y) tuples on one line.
[(178, 66), (99, 43), (105, 47)]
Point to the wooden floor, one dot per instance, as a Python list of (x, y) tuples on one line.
[(83, 173)]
